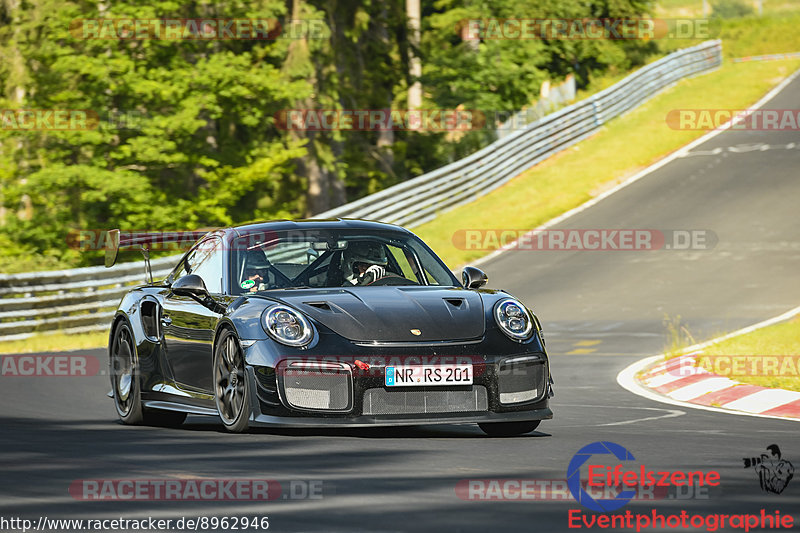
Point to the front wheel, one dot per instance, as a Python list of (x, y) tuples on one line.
[(231, 392), (508, 429)]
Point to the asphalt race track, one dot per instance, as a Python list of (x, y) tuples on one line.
[(601, 311)]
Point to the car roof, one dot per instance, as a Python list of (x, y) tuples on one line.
[(315, 224)]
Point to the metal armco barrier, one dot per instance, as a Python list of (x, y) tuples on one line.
[(83, 299), (75, 300), (421, 199)]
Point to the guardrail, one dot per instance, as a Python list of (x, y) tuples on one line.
[(83, 299), (421, 199), (75, 300), (555, 98)]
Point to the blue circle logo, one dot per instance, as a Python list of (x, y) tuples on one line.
[(574, 476)]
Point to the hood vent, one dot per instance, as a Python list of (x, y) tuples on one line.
[(319, 305)]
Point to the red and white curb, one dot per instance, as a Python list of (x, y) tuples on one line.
[(678, 381), (681, 380)]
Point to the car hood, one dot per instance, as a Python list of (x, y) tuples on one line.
[(390, 314)]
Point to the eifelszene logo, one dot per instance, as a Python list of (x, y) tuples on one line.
[(774, 472), (613, 469), (616, 477), (574, 476)]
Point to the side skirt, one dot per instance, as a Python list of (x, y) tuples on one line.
[(183, 408)]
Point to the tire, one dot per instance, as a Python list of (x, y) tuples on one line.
[(231, 389), (508, 429), (125, 385)]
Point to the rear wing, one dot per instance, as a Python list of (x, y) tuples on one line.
[(144, 241)]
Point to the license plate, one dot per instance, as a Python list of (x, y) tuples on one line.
[(405, 376)]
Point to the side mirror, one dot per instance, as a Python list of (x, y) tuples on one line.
[(473, 278), (190, 285)]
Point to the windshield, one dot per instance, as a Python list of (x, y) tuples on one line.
[(340, 258)]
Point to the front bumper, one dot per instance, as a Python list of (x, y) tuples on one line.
[(406, 406), (418, 420)]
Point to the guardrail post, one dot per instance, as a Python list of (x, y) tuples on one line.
[(596, 111)]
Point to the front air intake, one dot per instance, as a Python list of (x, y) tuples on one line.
[(317, 386), (424, 401), (521, 379)]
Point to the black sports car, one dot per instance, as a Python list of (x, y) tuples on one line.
[(325, 323)]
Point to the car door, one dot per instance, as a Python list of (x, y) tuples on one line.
[(188, 325)]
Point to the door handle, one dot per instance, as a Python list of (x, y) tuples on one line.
[(166, 321)]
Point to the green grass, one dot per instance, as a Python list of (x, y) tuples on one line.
[(694, 8), (770, 34), (780, 339), (775, 32), (679, 337), (622, 147), (55, 342)]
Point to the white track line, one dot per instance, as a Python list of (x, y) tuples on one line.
[(770, 321), (639, 175), (627, 378)]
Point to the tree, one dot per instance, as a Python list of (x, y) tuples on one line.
[(188, 132)]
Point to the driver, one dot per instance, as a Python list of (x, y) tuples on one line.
[(364, 262), (256, 271)]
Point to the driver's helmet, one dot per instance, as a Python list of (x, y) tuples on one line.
[(367, 252), (255, 262)]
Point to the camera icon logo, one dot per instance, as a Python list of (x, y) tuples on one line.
[(774, 472)]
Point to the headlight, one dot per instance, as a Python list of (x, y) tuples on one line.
[(287, 326), (513, 319)]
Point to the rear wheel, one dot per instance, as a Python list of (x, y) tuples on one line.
[(231, 392), (127, 398), (125, 385), (508, 429)]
